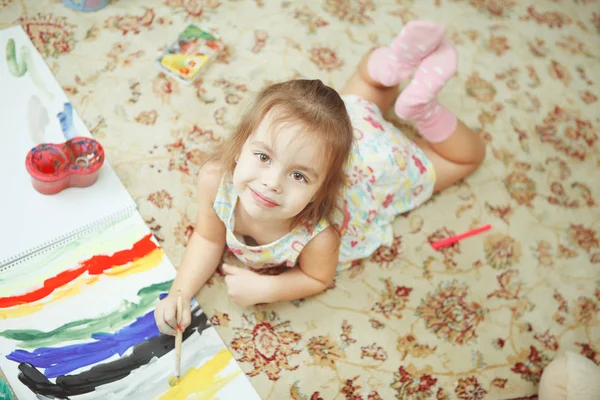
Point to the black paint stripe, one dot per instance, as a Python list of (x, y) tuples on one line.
[(102, 374)]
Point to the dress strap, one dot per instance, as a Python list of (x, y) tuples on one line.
[(225, 200)]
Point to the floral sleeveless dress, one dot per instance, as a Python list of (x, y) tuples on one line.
[(388, 176)]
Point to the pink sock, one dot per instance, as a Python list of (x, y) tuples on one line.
[(390, 65), (418, 102)]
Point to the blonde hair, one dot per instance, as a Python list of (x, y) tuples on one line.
[(321, 111)]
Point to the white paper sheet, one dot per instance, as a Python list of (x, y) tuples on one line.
[(94, 306), (30, 220)]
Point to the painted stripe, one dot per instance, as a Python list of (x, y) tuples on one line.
[(59, 361), (117, 236), (95, 265), (203, 383), (102, 374), (152, 260), (83, 329)]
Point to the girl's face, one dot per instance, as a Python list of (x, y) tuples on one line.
[(278, 172)]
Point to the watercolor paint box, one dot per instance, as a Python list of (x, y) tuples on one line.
[(193, 51)]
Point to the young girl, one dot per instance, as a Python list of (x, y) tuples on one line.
[(313, 180)]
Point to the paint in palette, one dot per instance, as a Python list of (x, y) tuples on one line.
[(55, 167)]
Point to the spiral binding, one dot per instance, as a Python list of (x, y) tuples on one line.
[(60, 241)]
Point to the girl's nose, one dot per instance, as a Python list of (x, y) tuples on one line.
[(272, 180)]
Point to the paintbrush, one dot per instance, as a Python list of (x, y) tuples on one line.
[(178, 338)]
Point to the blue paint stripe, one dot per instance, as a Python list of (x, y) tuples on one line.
[(63, 360)]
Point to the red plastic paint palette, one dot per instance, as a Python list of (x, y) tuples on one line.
[(55, 167)]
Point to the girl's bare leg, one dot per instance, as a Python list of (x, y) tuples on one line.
[(454, 158)]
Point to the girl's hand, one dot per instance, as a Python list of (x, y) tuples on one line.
[(166, 316), (244, 287)]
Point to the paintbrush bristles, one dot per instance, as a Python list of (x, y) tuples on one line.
[(178, 337)]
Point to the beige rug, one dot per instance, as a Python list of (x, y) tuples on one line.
[(478, 320)]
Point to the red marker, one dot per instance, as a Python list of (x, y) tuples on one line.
[(456, 238)]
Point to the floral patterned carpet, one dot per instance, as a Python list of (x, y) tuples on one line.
[(477, 320)]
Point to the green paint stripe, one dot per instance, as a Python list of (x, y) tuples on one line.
[(83, 329)]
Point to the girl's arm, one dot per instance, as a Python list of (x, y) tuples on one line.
[(316, 271), (206, 244)]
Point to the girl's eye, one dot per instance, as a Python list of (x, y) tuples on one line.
[(262, 157), (299, 177)]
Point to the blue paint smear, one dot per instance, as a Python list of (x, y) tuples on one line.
[(65, 118), (59, 361)]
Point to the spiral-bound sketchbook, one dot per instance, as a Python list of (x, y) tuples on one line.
[(30, 100), (81, 273), (77, 322)]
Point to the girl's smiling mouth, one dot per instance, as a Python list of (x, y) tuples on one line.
[(263, 200)]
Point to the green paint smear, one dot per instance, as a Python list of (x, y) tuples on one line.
[(83, 329), (5, 392), (15, 67), (18, 68)]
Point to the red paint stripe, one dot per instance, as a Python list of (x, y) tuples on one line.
[(93, 266)]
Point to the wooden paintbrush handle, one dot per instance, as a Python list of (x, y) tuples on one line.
[(178, 337)]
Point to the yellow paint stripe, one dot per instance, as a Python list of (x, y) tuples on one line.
[(59, 294), (143, 264), (203, 383)]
